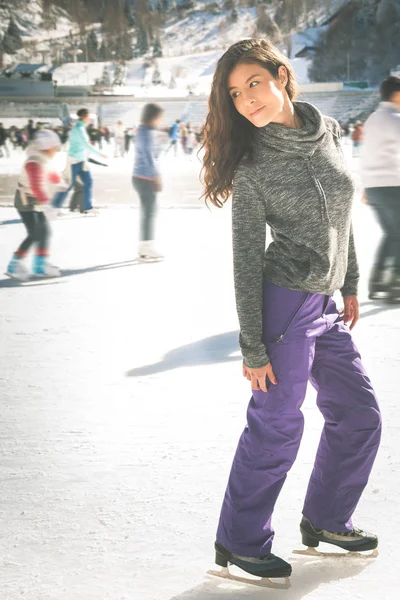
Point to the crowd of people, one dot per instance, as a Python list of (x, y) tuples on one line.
[(87, 143), (117, 140), (42, 192)]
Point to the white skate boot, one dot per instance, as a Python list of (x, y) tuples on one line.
[(17, 270), (147, 252), (42, 268)]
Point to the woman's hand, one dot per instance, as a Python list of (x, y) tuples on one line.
[(157, 184), (351, 311), (258, 377)]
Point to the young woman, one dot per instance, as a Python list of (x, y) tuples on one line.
[(283, 163), (77, 162), (146, 178), (32, 198)]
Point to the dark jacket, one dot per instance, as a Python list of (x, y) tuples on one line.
[(298, 184)]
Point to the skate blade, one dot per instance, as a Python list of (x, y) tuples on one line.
[(346, 553), (263, 582), (19, 279), (149, 260)]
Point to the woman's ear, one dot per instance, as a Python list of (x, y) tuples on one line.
[(283, 76)]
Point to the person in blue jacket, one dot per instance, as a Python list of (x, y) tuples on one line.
[(146, 178), (77, 161), (174, 136)]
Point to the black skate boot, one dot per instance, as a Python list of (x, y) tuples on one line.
[(264, 567), (355, 540), (378, 288), (394, 290)]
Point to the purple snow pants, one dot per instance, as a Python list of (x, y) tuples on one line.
[(306, 340)]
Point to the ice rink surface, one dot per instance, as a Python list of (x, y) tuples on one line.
[(122, 401)]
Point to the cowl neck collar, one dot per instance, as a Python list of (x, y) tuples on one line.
[(295, 141)]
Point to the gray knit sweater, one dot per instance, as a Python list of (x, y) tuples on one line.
[(298, 184)]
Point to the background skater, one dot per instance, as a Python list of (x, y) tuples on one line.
[(147, 180), (32, 198)]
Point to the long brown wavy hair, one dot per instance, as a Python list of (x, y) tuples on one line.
[(227, 136)]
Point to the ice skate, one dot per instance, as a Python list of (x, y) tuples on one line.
[(17, 270), (378, 288), (91, 212), (147, 252), (356, 541), (41, 268), (394, 291), (262, 569)]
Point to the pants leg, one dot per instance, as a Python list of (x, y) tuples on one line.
[(351, 434), (60, 197), (305, 338), (42, 233), (28, 219), (77, 199), (87, 181), (269, 444), (385, 202), (148, 207)]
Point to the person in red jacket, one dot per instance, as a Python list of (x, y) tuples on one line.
[(35, 189)]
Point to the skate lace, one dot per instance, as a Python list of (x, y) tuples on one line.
[(352, 532)]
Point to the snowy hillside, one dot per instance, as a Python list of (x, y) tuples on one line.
[(195, 31), (28, 16), (191, 43)]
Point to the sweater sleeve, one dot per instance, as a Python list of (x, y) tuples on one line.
[(350, 286), (36, 181), (249, 237)]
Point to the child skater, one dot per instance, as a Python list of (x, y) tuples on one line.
[(32, 199)]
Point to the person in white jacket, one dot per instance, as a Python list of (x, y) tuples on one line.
[(119, 139), (380, 172)]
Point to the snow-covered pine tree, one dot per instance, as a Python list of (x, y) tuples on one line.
[(124, 46), (157, 49), (266, 25), (12, 40), (93, 46), (142, 45), (234, 13), (106, 76), (104, 51), (156, 79), (172, 82)]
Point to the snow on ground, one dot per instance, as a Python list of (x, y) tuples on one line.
[(122, 402)]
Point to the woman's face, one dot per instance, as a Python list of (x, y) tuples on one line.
[(256, 94)]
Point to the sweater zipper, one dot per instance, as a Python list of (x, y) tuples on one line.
[(324, 205), (280, 338)]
